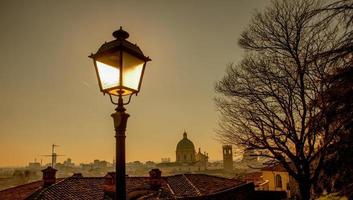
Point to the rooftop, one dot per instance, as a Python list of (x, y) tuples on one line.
[(78, 187), (21, 191), (185, 144), (276, 167)]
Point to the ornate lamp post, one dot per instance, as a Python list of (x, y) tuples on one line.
[(120, 66)]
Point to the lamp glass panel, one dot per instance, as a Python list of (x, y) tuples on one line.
[(132, 71), (108, 75)]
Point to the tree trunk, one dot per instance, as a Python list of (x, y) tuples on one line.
[(304, 187)]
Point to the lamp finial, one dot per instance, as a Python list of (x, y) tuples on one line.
[(121, 34)]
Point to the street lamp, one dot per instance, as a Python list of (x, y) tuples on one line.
[(120, 66)]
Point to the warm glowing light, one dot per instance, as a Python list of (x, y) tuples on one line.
[(109, 76), (120, 91), (109, 71), (132, 71)]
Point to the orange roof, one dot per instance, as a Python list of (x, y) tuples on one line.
[(177, 186), (20, 192)]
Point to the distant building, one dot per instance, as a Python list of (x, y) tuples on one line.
[(150, 164), (34, 165), (273, 178), (85, 166), (227, 157), (100, 164), (202, 157), (279, 180), (186, 158), (165, 160), (68, 163), (185, 152)]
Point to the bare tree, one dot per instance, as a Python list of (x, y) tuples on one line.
[(340, 13), (273, 100)]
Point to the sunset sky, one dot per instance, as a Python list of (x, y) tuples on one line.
[(50, 93)]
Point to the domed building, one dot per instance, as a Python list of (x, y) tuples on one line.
[(186, 158), (185, 150)]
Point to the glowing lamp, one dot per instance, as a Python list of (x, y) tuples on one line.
[(119, 65)]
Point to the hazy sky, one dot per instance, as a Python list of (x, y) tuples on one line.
[(50, 92)]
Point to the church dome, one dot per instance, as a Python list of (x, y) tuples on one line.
[(185, 144)]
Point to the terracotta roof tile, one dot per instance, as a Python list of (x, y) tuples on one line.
[(182, 187), (20, 192), (136, 183), (88, 188), (207, 184), (177, 186)]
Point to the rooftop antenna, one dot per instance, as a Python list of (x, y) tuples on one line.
[(53, 155)]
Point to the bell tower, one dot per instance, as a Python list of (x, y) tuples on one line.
[(227, 157)]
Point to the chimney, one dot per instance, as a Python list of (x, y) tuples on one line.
[(109, 178), (109, 185), (48, 176), (155, 179)]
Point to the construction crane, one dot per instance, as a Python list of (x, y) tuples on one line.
[(53, 155)]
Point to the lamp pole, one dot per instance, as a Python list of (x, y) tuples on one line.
[(120, 120), (120, 65)]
